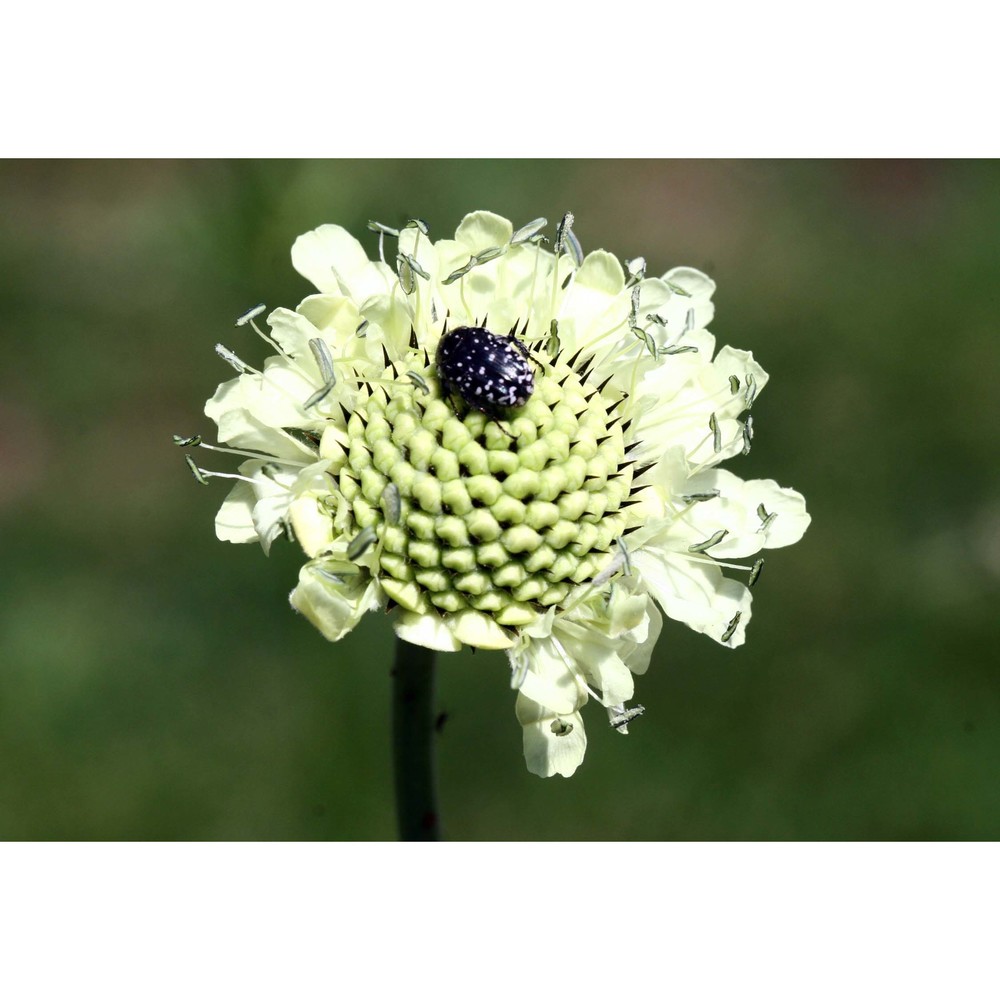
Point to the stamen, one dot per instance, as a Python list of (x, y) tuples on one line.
[(187, 442), (231, 359), (747, 434), (519, 670), (765, 518), (419, 381), (381, 228), (698, 497), (620, 716), (713, 425), (361, 543), (199, 476), (250, 314), (731, 629), (709, 542), (636, 269), (324, 360), (755, 572), (554, 347), (202, 476), (567, 221), (525, 233)]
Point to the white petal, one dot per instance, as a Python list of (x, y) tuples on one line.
[(232, 409), (312, 524), (637, 660), (547, 753), (234, 522), (549, 682), (481, 230), (693, 592), (730, 361), (292, 332), (326, 254), (700, 289), (737, 511), (595, 309), (333, 608)]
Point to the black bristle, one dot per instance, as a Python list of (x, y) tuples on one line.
[(602, 386), (572, 361), (346, 412), (385, 354), (614, 406), (626, 425), (645, 468), (413, 338)]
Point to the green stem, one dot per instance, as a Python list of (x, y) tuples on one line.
[(413, 742)]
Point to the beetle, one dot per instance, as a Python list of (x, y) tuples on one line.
[(490, 372)]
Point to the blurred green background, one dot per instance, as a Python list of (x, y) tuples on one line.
[(154, 683)]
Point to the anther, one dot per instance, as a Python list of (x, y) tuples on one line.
[(731, 629), (251, 314), (227, 355)]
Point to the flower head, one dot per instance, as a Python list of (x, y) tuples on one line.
[(546, 484)]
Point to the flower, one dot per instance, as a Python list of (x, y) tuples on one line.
[(558, 530)]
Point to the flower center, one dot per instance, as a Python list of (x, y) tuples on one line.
[(502, 517)]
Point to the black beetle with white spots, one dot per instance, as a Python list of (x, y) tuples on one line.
[(488, 371)]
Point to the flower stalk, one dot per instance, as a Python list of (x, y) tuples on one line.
[(413, 734)]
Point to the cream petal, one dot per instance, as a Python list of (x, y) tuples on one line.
[(231, 409), (549, 682), (685, 588), (554, 746), (329, 257), (637, 659), (234, 522), (292, 332), (334, 608), (737, 511), (730, 361), (479, 231), (311, 524)]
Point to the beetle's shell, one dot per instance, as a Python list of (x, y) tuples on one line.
[(487, 370)]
